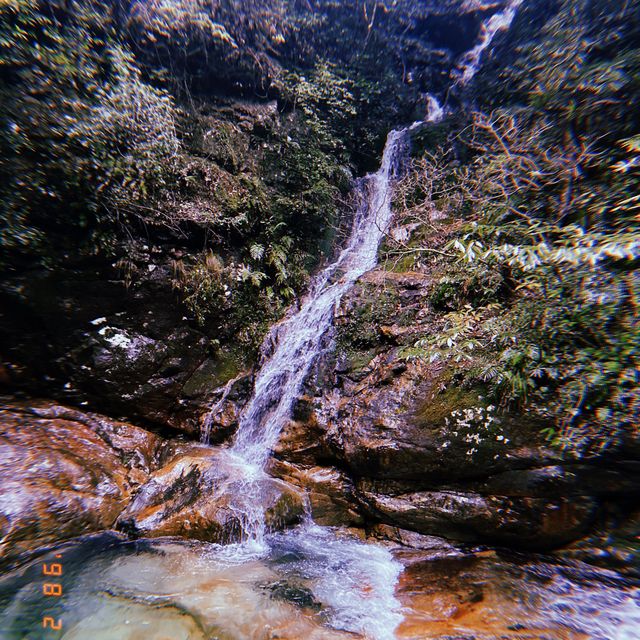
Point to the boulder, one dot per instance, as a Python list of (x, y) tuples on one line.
[(115, 338), (330, 492), (65, 473), (527, 522), (209, 495)]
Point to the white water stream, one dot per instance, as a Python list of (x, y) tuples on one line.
[(355, 580), (435, 111), (300, 339), (470, 62), (501, 21), (338, 566)]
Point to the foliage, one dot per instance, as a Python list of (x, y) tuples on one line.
[(228, 300), (325, 98), (541, 283), (568, 344), (178, 21), (91, 144), (205, 286), (84, 138), (128, 138)]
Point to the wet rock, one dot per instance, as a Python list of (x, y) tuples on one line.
[(497, 597), (298, 595), (403, 281), (432, 547), (301, 441), (221, 421), (143, 373), (568, 479), (330, 493), (64, 473), (119, 617), (614, 543), (200, 493), (115, 337), (425, 450), (378, 428), (524, 522)]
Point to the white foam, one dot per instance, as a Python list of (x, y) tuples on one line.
[(500, 21), (435, 111)]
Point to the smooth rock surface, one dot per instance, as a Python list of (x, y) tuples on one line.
[(64, 473), (193, 496), (522, 522)]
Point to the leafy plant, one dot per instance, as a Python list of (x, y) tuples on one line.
[(546, 193)]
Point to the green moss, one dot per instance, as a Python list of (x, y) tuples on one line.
[(214, 373), (358, 360), (434, 410), (401, 265), (373, 308)]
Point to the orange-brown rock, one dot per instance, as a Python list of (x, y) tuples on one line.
[(329, 492), (64, 473), (196, 494)]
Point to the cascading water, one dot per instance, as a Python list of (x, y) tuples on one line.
[(300, 338), (338, 567), (501, 21), (435, 111), (295, 345)]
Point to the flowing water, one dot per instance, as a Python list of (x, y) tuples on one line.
[(354, 581), (296, 343), (435, 111), (311, 586), (301, 338), (501, 21), (309, 582)]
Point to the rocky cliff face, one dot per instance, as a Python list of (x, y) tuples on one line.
[(128, 313), (382, 441), (416, 446)]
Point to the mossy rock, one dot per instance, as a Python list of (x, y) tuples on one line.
[(213, 373), (287, 510), (434, 410)]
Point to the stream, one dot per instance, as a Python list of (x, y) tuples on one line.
[(312, 582)]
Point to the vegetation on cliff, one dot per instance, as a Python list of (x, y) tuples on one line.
[(230, 127), (224, 135), (540, 285)]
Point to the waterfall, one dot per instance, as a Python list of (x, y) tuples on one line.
[(290, 351), (435, 111), (470, 61), (301, 338), (339, 567), (500, 21), (295, 345)]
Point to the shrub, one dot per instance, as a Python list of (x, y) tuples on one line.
[(126, 139)]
